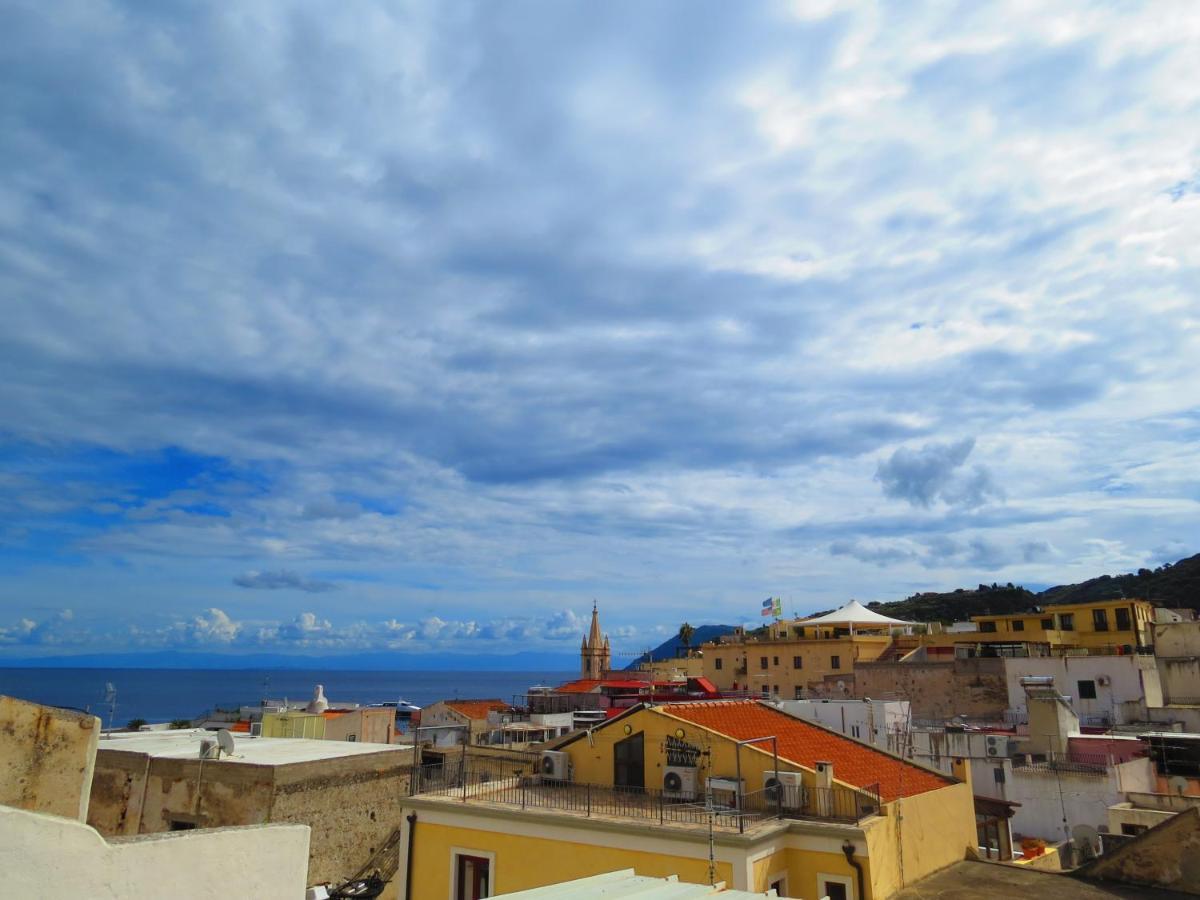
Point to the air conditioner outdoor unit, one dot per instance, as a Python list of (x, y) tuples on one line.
[(679, 782), (997, 746), (792, 785), (555, 765)]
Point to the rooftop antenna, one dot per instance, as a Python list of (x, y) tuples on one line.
[(225, 741), (110, 697)]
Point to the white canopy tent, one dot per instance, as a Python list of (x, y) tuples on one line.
[(852, 614)]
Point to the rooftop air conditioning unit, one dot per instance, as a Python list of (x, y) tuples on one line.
[(555, 765), (997, 746), (679, 782), (790, 783)]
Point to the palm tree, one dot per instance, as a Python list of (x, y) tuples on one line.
[(685, 637)]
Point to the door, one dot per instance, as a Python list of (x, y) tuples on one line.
[(472, 878), (629, 763)]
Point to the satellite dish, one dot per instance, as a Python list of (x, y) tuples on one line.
[(225, 741), (1178, 783)]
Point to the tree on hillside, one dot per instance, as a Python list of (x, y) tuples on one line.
[(685, 636)]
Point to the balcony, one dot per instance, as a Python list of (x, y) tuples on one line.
[(454, 784)]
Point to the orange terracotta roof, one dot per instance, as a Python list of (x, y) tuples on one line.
[(804, 743), (582, 686), (476, 709)]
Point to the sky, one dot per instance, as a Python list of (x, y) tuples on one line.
[(419, 327)]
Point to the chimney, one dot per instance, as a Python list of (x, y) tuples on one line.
[(824, 777), (960, 768)]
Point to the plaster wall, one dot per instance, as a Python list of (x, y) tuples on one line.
[(742, 665), (877, 722), (49, 856), (1133, 684), (1177, 639), (1044, 794), (47, 758)]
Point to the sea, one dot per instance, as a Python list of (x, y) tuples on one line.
[(160, 695)]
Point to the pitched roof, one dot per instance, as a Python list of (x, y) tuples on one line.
[(582, 686), (805, 743), (476, 709)]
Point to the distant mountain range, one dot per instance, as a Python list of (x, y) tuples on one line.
[(1174, 585), (359, 662), (671, 647)]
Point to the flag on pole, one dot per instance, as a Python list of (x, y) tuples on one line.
[(778, 607), (768, 606)]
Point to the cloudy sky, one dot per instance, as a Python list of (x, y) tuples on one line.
[(421, 326)]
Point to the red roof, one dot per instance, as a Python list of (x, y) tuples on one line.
[(805, 743), (582, 686), (477, 709)]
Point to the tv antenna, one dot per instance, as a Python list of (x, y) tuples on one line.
[(110, 697)]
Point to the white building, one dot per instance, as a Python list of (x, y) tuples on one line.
[(883, 723), (1102, 690)]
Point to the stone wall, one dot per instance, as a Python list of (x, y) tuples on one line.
[(352, 805), (46, 758), (937, 690)]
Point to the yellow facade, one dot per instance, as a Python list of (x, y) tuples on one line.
[(1103, 624), (524, 848), (293, 724), (790, 666)]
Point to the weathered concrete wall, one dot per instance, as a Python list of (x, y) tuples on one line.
[(1179, 639), (1180, 679), (1167, 856), (351, 804), (48, 856), (938, 690), (1044, 792), (46, 758)]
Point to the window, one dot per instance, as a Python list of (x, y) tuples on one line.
[(762, 662), (854, 731), (718, 664), (776, 690), (797, 662), (989, 627), (1018, 625), (472, 877), (1100, 619), (182, 825), (835, 887), (1047, 624), (1066, 621), (775, 661), (766, 690), (1123, 623), (799, 692), (352, 737), (998, 774), (1131, 829), (1087, 690), (835, 662)]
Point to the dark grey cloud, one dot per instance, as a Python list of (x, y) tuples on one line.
[(282, 580), (934, 473)]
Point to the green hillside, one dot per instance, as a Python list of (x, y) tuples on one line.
[(1172, 584)]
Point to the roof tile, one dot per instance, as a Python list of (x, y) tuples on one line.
[(805, 743)]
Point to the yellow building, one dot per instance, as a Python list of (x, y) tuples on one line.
[(1103, 625), (812, 657), (648, 790), (371, 725)]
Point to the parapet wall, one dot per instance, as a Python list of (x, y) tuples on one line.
[(47, 757), (974, 688)]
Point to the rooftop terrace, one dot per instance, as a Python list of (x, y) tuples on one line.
[(185, 744)]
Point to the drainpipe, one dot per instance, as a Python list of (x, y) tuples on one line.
[(848, 849), (412, 829)]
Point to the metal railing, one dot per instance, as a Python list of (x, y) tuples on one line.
[(1077, 764), (456, 782)]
